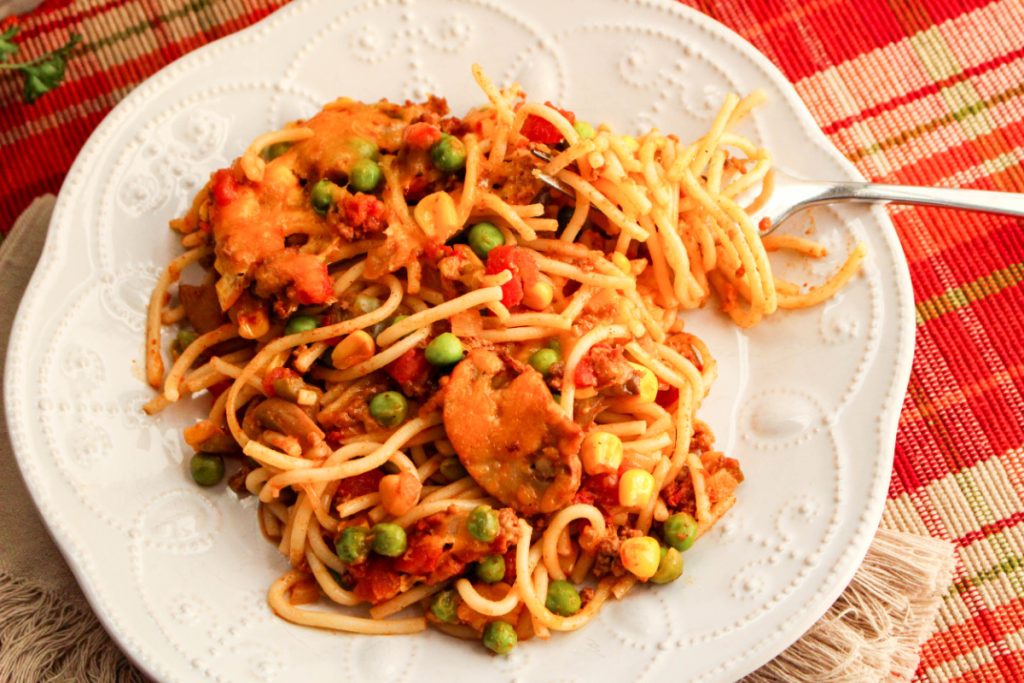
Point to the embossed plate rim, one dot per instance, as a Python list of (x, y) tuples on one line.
[(56, 247)]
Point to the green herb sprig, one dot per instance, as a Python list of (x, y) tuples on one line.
[(41, 75)]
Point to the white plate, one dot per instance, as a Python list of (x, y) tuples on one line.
[(808, 400)]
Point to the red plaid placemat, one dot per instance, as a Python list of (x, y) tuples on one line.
[(929, 92)]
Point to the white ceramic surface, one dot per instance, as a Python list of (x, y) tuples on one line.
[(808, 401)]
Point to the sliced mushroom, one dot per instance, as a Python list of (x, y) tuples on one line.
[(287, 418), (510, 435), (201, 307)]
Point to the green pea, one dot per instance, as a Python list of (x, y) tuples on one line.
[(555, 346), (353, 545), (365, 175), (364, 148), (563, 598), (389, 539), (300, 323), (556, 397), (443, 606), (483, 237), (670, 568), (322, 196), (483, 523), (184, 338), (207, 469), (680, 531), (276, 150), (444, 349), (584, 129), (491, 569), (452, 469), (500, 637), (448, 154), (366, 304), (543, 359), (389, 408)]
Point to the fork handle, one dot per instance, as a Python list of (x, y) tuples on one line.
[(1009, 203)]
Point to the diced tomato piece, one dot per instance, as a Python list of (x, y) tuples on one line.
[(421, 135), (500, 258), (224, 187), (666, 397), (585, 375), (536, 129), (274, 375), (359, 485), (313, 286), (422, 556), (411, 367), (376, 580), (520, 263), (512, 292)]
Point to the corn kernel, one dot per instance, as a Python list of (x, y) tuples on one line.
[(636, 487), (622, 263), (352, 350), (538, 296), (436, 214), (601, 453), (648, 383), (641, 556)]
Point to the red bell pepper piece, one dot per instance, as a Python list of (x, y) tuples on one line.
[(536, 129), (524, 271)]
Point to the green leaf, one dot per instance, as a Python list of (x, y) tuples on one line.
[(7, 45), (41, 75), (34, 88), (46, 73)]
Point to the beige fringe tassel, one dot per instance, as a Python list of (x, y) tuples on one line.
[(874, 630), (44, 638)]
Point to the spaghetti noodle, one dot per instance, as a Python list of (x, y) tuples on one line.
[(450, 387)]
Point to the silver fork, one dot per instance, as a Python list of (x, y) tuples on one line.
[(791, 194)]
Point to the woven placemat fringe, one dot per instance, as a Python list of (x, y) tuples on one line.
[(44, 638), (875, 628)]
